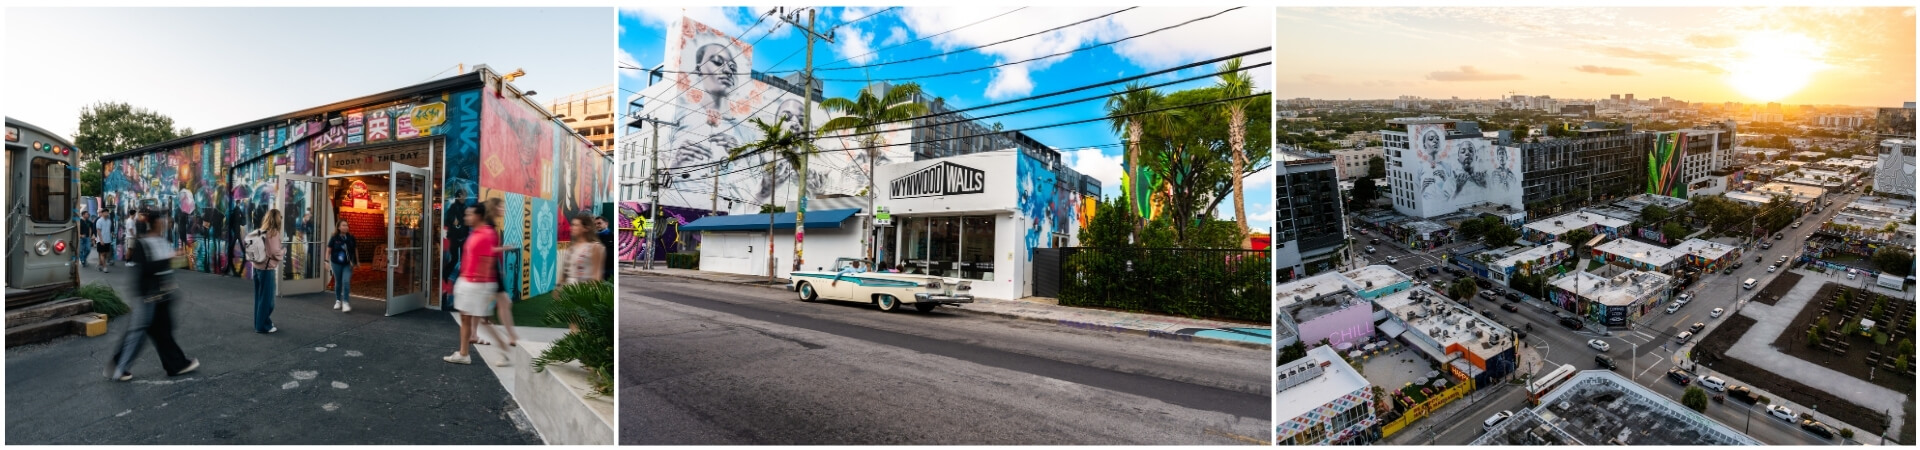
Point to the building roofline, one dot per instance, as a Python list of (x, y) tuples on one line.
[(474, 78)]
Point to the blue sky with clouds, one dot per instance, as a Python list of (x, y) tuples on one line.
[(642, 44)]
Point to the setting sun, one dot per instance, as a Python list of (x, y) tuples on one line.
[(1772, 65)]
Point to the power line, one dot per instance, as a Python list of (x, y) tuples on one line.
[(1046, 95), (854, 21), (922, 38), (977, 47), (1028, 60), (763, 148)]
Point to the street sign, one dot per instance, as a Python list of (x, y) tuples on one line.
[(881, 217)]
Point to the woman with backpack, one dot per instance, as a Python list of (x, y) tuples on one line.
[(263, 250), (153, 312), (344, 252)]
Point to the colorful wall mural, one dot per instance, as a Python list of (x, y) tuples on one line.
[(1457, 173), (220, 187), (1049, 202), (633, 224), (1663, 165)]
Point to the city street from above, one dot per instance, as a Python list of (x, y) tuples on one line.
[(1527, 253), (917, 226)]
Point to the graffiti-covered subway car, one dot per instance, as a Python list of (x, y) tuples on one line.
[(398, 166), (41, 227)]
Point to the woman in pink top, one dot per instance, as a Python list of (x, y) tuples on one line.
[(473, 292)]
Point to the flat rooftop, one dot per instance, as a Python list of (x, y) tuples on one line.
[(1600, 407), (1640, 251), (1325, 283), (1614, 285), (1434, 315), (1641, 201), (1797, 190), (1377, 276), (1533, 254), (1334, 379), (1561, 224), (1703, 248), (1421, 120)]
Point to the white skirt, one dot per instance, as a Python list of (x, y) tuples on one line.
[(474, 298)]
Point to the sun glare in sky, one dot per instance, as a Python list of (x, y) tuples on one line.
[(1772, 65)]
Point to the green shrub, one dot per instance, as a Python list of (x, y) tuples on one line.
[(105, 300), (588, 306), (1694, 398), (1846, 433), (688, 260)]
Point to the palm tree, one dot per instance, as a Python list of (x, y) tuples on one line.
[(1235, 83), (864, 115), (776, 144), (1121, 110)]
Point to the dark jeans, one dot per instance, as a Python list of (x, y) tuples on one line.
[(263, 291), (150, 321)]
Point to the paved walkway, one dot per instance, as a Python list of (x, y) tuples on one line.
[(325, 378), (1756, 347), (1150, 325)]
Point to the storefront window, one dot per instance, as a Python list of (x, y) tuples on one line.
[(944, 246), (976, 258), (913, 240)]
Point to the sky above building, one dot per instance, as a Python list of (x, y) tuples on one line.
[(209, 68), (869, 38), (1846, 56)]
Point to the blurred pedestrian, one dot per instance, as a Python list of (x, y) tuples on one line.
[(103, 233), (586, 254), (153, 312), (126, 238), (85, 249), (606, 243), (263, 250), (474, 291), (344, 252)]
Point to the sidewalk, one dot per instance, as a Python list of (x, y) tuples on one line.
[(326, 378), (1149, 325), (1756, 347)]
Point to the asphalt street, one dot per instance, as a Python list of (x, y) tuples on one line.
[(711, 363)]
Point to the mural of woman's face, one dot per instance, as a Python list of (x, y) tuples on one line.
[(1466, 157), (716, 67), (791, 114)]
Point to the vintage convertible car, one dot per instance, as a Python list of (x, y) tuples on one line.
[(886, 290)]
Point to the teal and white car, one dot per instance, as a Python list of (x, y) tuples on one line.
[(887, 290)]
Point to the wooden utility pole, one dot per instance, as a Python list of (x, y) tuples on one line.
[(654, 182), (806, 93)]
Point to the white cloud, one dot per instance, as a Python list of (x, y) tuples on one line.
[(1239, 30), (1009, 82), (1012, 80), (896, 36), (1259, 180), (1097, 164), (627, 60), (662, 16), (854, 45)]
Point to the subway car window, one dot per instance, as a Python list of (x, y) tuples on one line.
[(48, 202)]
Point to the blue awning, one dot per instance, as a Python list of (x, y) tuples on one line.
[(831, 218)]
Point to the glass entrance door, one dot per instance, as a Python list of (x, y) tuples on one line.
[(407, 223), (302, 223)]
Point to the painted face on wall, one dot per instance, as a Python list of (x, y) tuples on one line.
[(1466, 157), (715, 66), (1430, 143), (791, 114), (1500, 157)]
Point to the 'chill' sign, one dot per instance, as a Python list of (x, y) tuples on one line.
[(940, 179)]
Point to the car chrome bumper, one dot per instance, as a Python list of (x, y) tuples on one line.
[(941, 298)]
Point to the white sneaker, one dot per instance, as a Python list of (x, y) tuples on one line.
[(272, 329), (129, 264), (506, 359), (336, 304), (190, 368), (457, 359), (344, 307)]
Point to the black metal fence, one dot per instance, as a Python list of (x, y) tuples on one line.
[(1213, 283)]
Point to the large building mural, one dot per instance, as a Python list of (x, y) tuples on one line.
[(633, 226), (488, 143), (1663, 165), (710, 101), (1451, 174)]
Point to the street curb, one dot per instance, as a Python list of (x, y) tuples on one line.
[(1070, 324), (1123, 330)]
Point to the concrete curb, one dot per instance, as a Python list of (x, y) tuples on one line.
[(1151, 334)]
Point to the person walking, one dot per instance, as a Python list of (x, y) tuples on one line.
[(585, 256), (503, 303), (606, 244), (103, 240), (127, 235), (85, 249), (474, 290), (344, 252), (263, 250), (153, 313)]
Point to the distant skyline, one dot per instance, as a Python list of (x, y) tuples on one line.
[(1838, 56)]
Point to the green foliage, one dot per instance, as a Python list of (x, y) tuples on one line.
[(1813, 338), (1846, 433), (1900, 362), (1577, 238), (1111, 226), (1695, 398), (111, 127), (588, 306), (105, 300), (1654, 214), (1376, 167), (1501, 235), (1364, 192), (1673, 231), (1880, 339), (1210, 281), (687, 260), (1293, 352), (1894, 260), (1905, 346), (1463, 289)]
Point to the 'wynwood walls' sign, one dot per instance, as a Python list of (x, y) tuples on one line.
[(941, 179)]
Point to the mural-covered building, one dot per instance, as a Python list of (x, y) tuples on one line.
[(1601, 161), (398, 166), (1439, 166)]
